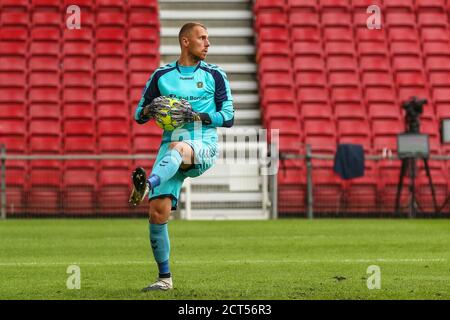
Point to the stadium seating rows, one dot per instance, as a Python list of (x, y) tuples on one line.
[(326, 78), (74, 91)]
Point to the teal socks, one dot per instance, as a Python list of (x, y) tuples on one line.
[(159, 240)]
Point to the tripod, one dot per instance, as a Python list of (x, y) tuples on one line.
[(410, 163)]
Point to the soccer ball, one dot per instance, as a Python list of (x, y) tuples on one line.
[(166, 122)]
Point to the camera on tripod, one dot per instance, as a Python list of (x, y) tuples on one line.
[(413, 108), (411, 143)]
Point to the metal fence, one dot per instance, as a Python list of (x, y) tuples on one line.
[(99, 186), (318, 192), (69, 185)]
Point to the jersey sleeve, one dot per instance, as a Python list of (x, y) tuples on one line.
[(150, 92), (224, 113)]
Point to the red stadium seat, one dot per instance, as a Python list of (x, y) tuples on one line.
[(344, 34), (12, 79), (78, 95), (79, 191), (111, 18), (385, 110), (364, 4), (280, 109), (372, 48), (380, 94), (336, 18), (403, 34), (15, 189), (112, 111), (43, 200), (145, 18), (349, 110), (345, 79), (374, 63), (111, 5), (13, 33), (340, 48), (434, 34), (302, 5), (273, 34), (432, 19), (18, 48), (385, 134), (321, 134), (310, 79), (275, 79), (274, 94), (48, 95), (78, 48), (270, 19), (400, 5), (327, 192), (46, 18), (312, 94), (15, 18), (146, 34), (377, 79), (341, 63), (315, 111), (308, 33), (430, 4), (362, 193), (14, 4), (307, 48), (44, 111), (143, 5), (115, 188), (334, 4), (147, 64), (111, 79), (79, 144), (78, 79), (355, 131), (269, 5)]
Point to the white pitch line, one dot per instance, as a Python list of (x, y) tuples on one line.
[(113, 263)]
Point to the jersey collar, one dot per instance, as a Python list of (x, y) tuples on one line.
[(196, 68)]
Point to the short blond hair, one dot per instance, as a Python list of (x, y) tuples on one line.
[(187, 28)]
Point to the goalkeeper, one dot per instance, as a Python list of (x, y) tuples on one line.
[(206, 102)]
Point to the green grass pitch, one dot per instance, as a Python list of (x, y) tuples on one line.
[(279, 259)]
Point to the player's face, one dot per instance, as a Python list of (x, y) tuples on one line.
[(198, 43)]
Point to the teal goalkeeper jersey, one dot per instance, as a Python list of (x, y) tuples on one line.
[(205, 86)]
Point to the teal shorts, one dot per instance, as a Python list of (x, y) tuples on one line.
[(205, 154)]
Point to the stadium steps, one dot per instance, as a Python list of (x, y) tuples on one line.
[(230, 28)]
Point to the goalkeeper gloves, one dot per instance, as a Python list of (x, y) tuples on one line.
[(179, 110), (185, 113)]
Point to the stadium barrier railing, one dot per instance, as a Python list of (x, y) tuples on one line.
[(320, 192), (99, 185)]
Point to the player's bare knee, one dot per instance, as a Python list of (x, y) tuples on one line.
[(158, 218), (185, 151), (176, 146), (159, 210)]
